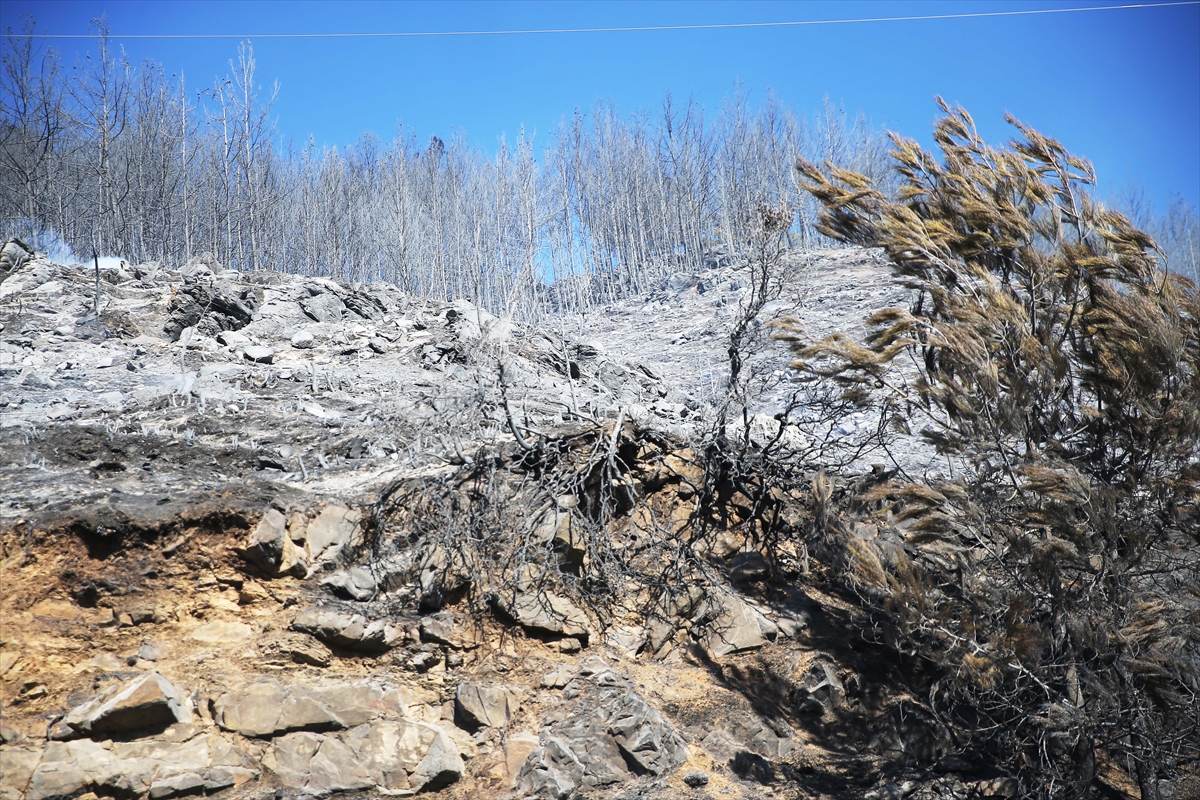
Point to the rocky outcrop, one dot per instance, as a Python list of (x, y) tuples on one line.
[(206, 763), (147, 702), (609, 734), (349, 631), (270, 708), (210, 307)]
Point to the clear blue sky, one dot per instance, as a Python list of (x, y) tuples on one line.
[(1121, 87)]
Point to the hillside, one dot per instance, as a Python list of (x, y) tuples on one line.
[(270, 535)]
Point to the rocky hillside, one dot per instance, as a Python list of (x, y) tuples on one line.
[(268, 535)]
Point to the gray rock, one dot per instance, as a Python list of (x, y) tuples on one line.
[(303, 341), (441, 766), (14, 255), (210, 308), (177, 785), (335, 529), (356, 583), (295, 648), (36, 380), (441, 628), (271, 548), (736, 628), (325, 307), (350, 631), (318, 764), (148, 701), (608, 730), (379, 345), (535, 607), (233, 339), (16, 768), (268, 708), (696, 779), (477, 706), (259, 354)]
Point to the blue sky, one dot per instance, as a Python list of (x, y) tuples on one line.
[(1121, 87)]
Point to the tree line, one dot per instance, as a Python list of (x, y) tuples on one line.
[(135, 162)]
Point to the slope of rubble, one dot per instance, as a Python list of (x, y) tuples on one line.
[(270, 535)]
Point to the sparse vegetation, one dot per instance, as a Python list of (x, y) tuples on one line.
[(1045, 589)]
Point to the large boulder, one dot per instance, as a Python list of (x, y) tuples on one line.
[(349, 631), (477, 706), (146, 702), (206, 763), (268, 708), (210, 308), (14, 255), (608, 733)]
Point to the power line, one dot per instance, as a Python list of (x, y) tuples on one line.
[(631, 29)]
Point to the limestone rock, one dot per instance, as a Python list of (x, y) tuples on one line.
[(325, 307), (148, 701), (609, 730), (220, 632), (441, 766), (735, 628), (349, 631), (356, 583), (14, 255), (476, 706), (295, 648), (303, 340), (335, 529), (271, 548), (16, 768), (210, 308), (268, 708), (259, 354), (517, 749), (318, 764)]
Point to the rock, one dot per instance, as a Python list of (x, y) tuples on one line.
[(356, 583), (210, 308), (36, 380), (540, 610), (233, 339), (476, 706), (334, 530), (148, 652), (222, 633), (295, 648), (608, 731), (444, 573), (391, 755), (696, 779), (318, 764), (259, 354), (149, 701), (735, 629), (441, 628), (177, 785), (517, 749), (271, 548), (351, 631), (441, 766), (379, 345), (17, 765), (325, 307), (14, 255), (303, 341), (268, 708)]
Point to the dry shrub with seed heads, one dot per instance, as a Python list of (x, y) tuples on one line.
[(1050, 587)]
